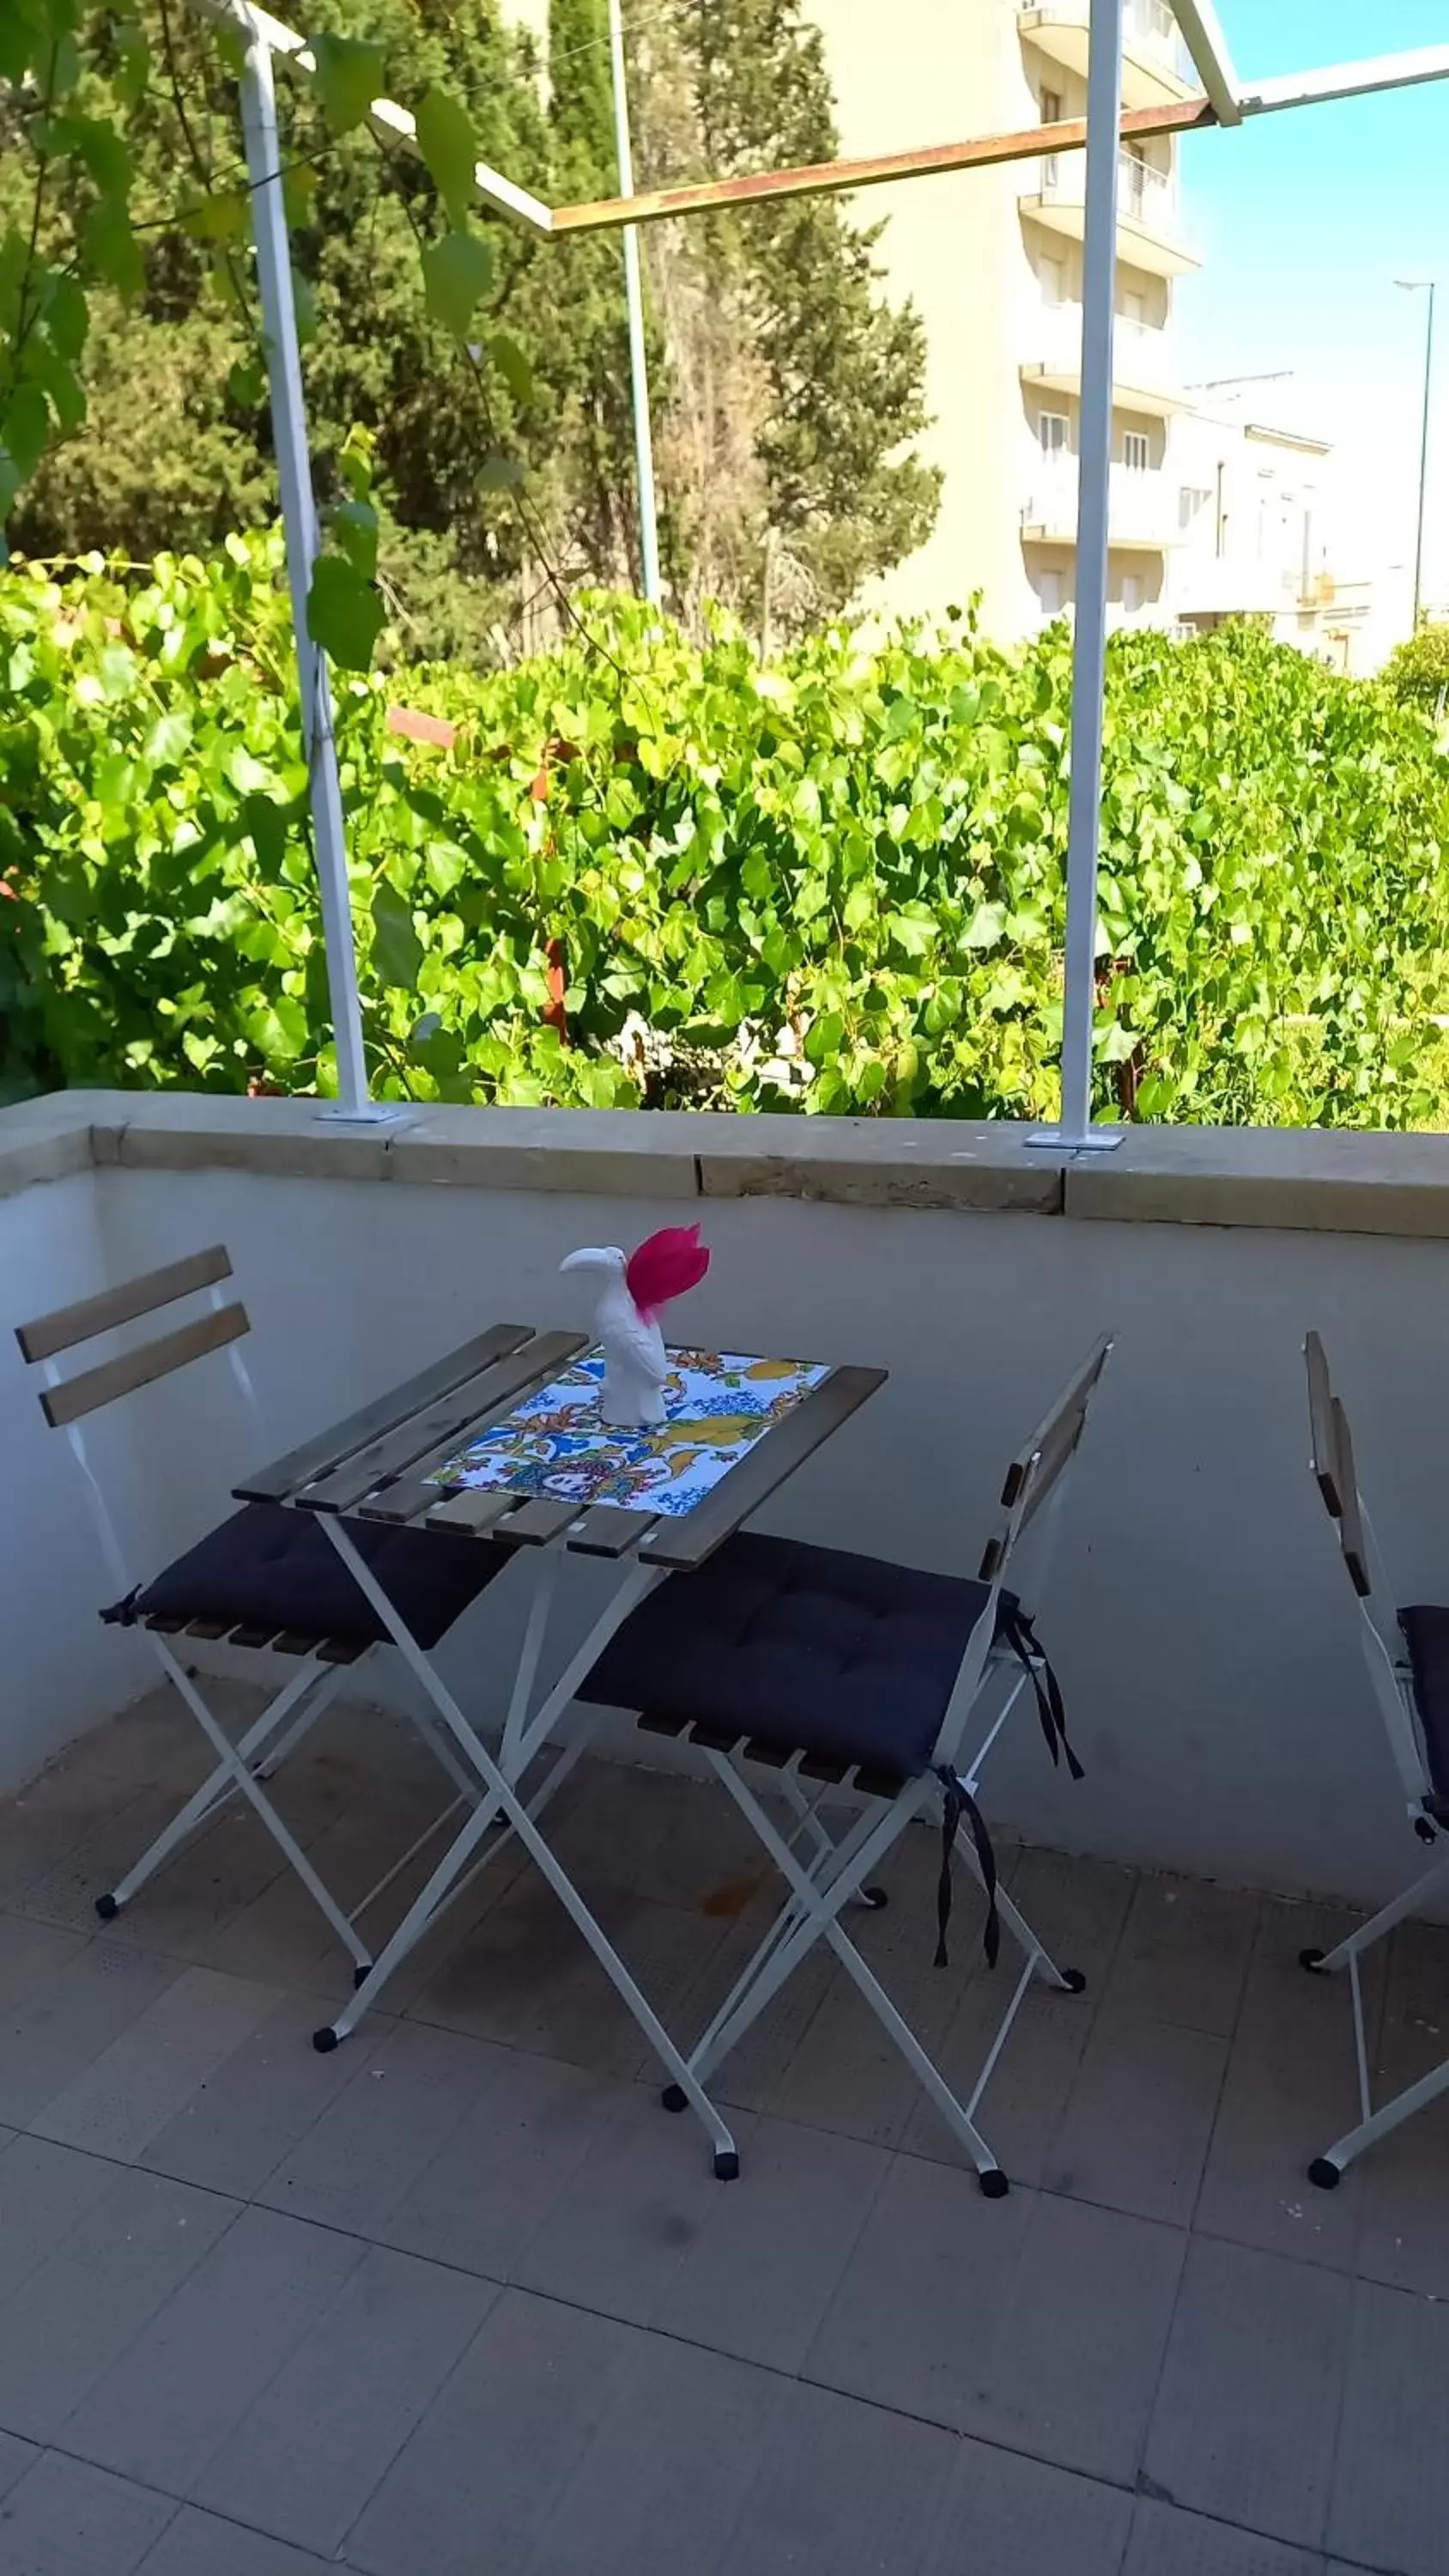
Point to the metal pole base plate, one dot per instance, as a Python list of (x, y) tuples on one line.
[(1094, 1140), (368, 1113)]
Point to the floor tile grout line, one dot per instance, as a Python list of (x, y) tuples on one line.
[(771, 2370), (254, 2198), (167, 2495), (1257, 1951), (394, 2024), (985, 2441)]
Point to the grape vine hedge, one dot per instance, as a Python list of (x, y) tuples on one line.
[(664, 872)]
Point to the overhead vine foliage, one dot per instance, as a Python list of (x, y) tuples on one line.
[(70, 106), (831, 881), (86, 97)]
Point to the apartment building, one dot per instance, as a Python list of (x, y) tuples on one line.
[(993, 261), (1267, 531)]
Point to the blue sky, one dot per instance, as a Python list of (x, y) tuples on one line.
[(1304, 220)]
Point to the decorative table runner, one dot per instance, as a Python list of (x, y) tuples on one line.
[(719, 1403)]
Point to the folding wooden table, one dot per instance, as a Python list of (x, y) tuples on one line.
[(408, 1461)]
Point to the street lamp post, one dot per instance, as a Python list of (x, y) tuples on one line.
[(1422, 286)]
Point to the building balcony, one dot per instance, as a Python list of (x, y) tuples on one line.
[(1144, 364), (1157, 69), (459, 2296), (1141, 516), (1150, 231)]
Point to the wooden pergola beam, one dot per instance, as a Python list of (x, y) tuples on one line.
[(830, 178)]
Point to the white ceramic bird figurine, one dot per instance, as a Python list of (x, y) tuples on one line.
[(626, 1319)]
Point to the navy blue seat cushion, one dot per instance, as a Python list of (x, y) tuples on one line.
[(271, 1568), (1426, 1634), (805, 1649)]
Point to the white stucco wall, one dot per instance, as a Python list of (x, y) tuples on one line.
[(1201, 1620), (60, 1672)]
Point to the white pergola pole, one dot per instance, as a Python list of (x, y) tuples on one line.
[(634, 297), (299, 520), (1099, 287)]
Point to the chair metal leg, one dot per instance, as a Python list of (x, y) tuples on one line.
[(820, 1912), (1397, 1911), (233, 1763), (805, 1811), (800, 1926), (220, 1785), (791, 1915), (1328, 2171), (1068, 1981)]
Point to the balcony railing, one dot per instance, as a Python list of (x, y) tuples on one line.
[(1138, 506), (1149, 204), (1150, 34), (1144, 355), (1151, 27)]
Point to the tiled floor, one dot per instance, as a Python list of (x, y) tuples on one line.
[(460, 2298)]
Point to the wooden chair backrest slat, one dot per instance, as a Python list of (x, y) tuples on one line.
[(1322, 1425), (92, 1315), (1350, 1513), (1334, 1470), (1034, 1471), (91, 1388)]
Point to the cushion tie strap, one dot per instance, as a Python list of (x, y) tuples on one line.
[(122, 1614), (958, 1802), (1016, 1627)]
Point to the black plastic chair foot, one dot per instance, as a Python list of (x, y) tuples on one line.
[(674, 2098), (1310, 1959), (107, 1908), (325, 2040), (726, 2165), (1074, 1980), (994, 2185), (877, 1898), (1325, 2173)]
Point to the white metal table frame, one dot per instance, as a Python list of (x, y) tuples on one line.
[(648, 1549)]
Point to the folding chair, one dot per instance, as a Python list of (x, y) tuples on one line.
[(848, 1672), (1407, 1653), (265, 1578)]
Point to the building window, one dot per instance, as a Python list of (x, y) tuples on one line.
[(1052, 430), (1053, 275), (1049, 590), (1136, 451), (1191, 502), (1131, 592)]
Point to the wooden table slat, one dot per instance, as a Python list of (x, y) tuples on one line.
[(685, 1542), (539, 1519), (409, 1499), (479, 1508), (608, 1530), (433, 1436), (510, 1380), (331, 1448)]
